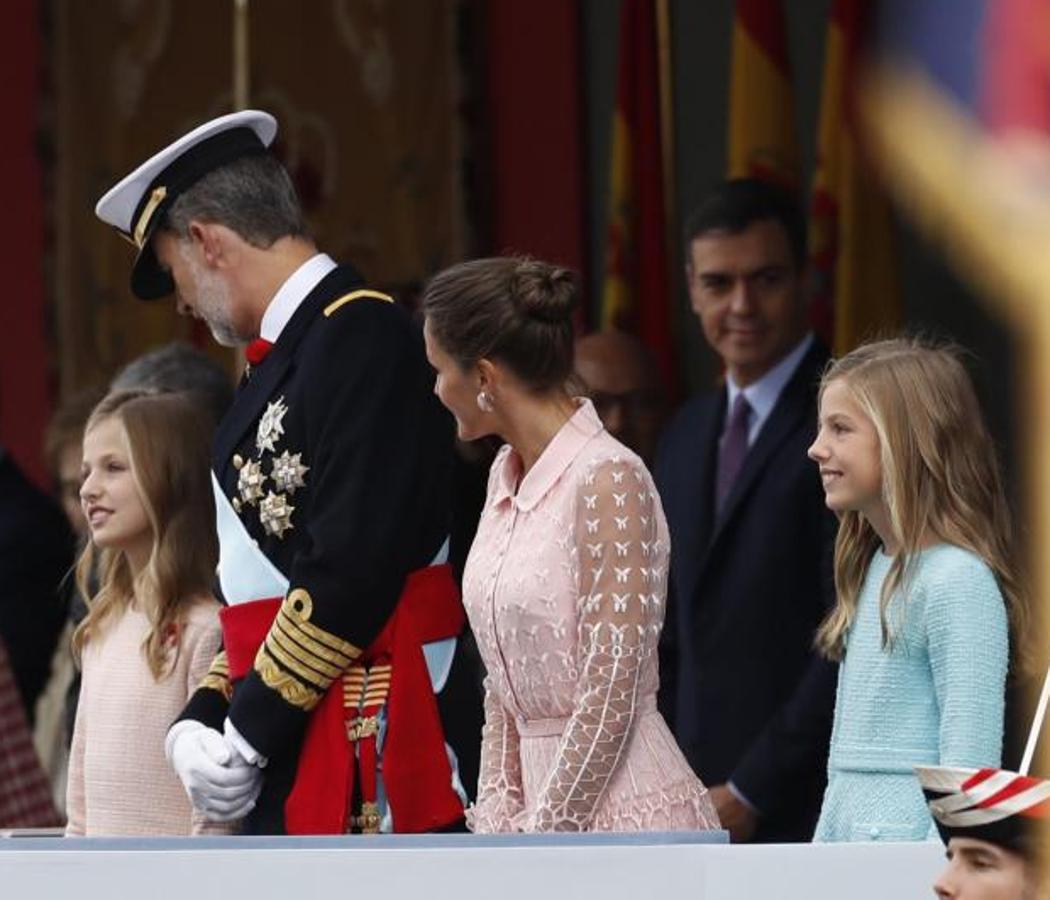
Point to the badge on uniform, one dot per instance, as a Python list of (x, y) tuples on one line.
[(288, 472), (250, 481), (271, 426), (275, 513)]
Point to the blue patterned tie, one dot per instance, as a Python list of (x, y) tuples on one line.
[(733, 450)]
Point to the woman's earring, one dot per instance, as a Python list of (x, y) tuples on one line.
[(485, 401)]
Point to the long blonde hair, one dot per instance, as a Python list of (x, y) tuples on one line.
[(168, 442), (940, 479)]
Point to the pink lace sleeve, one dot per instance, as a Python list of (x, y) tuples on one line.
[(500, 796), (619, 623)]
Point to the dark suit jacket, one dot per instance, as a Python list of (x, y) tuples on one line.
[(748, 699), (36, 552)]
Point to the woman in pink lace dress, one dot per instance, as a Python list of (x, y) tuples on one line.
[(566, 580)]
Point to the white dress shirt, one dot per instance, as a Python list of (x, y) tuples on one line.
[(762, 395), (292, 293)]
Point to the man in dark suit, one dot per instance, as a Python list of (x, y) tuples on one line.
[(332, 472), (751, 564)]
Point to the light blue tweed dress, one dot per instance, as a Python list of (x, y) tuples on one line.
[(936, 698)]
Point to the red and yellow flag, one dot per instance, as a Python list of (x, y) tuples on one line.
[(762, 140), (636, 293), (851, 247)]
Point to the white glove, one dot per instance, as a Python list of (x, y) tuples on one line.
[(219, 782), (239, 744)]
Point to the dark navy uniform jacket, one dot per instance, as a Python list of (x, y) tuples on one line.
[(354, 453)]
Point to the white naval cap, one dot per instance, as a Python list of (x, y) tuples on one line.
[(994, 805), (137, 203)]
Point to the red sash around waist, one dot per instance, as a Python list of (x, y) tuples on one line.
[(416, 772)]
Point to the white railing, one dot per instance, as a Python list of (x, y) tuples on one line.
[(461, 867)]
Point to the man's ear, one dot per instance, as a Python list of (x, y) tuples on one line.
[(209, 238), (692, 288)]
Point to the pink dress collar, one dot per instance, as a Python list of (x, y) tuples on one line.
[(557, 456)]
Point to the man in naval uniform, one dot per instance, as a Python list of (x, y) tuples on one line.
[(331, 474)]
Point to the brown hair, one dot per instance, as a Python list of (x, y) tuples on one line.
[(168, 439), (940, 479), (67, 427), (511, 309)]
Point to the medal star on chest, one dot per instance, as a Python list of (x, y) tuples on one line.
[(275, 514), (271, 426), (288, 472), (250, 481)]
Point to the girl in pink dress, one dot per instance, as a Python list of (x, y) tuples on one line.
[(566, 580), (152, 628)]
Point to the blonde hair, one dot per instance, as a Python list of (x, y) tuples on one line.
[(168, 440), (940, 479)]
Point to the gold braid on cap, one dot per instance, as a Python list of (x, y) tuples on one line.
[(155, 200)]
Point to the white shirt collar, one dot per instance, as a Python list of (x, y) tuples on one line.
[(293, 292), (762, 395)]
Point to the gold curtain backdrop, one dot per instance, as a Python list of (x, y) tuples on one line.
[(366, 97)]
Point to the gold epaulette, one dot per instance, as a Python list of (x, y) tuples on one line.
[(356, 295)]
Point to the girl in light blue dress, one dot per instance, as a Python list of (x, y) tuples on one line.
[(926, 589)]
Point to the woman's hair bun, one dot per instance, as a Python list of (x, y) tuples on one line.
[(544, 292)]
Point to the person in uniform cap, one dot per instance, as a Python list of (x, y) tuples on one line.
[(331, 475), (989, 821)]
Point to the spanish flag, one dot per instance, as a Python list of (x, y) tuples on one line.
[(762, 140), (636, 294), (856, 294)]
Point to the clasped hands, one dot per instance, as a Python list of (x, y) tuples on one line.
[(220, 772)]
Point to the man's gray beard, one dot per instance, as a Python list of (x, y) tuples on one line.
[(224, 334), (213, 305)]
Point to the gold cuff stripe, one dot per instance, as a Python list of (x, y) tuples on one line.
[(303, 673), (356, 295), (217, 683), (155, 200), (311, 647), (295, 612), (323, 643), (324, 671), (292, 691), (218, 677), (220, 665), (273, 652)]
